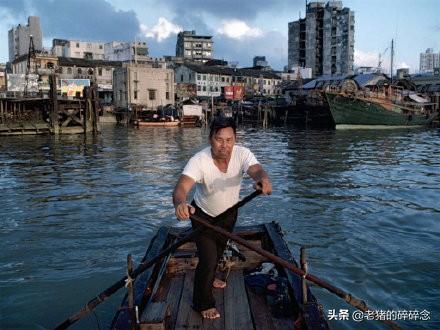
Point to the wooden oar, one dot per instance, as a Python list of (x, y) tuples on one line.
[(144, 266), (359, 304)]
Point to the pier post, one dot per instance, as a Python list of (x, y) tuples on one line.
[(54, 98), (1, 112), (303, 278)]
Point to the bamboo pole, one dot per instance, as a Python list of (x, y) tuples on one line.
[(355, 302)]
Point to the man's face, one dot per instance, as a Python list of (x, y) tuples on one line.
[(222, 143)]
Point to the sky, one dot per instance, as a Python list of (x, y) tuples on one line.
[(241, 29)]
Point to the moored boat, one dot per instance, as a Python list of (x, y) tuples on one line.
[(163, 293), (142, 123), (362, 109)]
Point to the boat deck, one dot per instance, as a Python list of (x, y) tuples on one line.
[(239, 307), (163, 293)]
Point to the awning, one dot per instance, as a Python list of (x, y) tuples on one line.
[(418, 99)]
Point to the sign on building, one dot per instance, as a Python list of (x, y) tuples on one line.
[(18, 82), (71, 87), (234, 92), (192, 110)]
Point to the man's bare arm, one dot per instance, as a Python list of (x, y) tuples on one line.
[(260, 176), (180, 195)]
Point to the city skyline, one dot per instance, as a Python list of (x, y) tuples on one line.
[(239, 32)]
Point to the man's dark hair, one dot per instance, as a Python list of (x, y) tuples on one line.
[(222, 122)]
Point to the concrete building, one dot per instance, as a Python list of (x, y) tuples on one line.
[(2, 77), (211, 80), (99, 72), (18, 38), (429, 60), (78, 49), (43, 64), (147, 85), (260, 61), (194, 47), (323, 40), (297, 73), (126, 51)]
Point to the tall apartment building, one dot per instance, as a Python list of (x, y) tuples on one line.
[(78, 49), (323, 40), (18, 38), (194, 47), (429, 60)]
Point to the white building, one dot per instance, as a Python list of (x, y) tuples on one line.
[(429, 60), (297, 72), (78, 49), (126, 51), (211, 80), (18, 38)]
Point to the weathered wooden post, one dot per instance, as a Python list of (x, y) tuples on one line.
[(1, 112), (86, 92), (53, 95), (303, 278), (130, 291), (96, 127)]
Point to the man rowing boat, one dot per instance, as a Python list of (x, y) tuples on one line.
[(217, 172)]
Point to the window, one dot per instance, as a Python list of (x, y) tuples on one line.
[(223, 79), (167, 95), (77, 45), (199, 77), (99, 71), (69, 70), (79, 71), (151, 94), (199, 88), (204, 77), (204, 88), (181, 77), (100, 46), (135, 95)]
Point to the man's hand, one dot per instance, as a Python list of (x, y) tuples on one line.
[(183, 210), (265, 186)]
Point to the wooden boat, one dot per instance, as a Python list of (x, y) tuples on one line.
[(163, 293), (157, 123)]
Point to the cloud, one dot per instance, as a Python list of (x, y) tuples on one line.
[(272, 44), (162, 30), (244, 9), (365, 58), (78, 19), (236, 29)]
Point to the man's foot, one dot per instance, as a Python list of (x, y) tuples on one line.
[(211, 313), (219, 284)]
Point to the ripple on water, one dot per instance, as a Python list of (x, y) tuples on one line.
[(363, 203)]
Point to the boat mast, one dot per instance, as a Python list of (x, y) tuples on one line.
[(392, 59)]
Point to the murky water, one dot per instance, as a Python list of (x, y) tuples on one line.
[(365, 203)]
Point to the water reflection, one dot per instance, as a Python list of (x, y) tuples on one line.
[(365, 203)]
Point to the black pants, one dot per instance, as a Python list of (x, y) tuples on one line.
[(210, 247)]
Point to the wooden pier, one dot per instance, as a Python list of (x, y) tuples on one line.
[(50, 115)]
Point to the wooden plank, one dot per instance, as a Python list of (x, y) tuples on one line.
[(156, 315), (262, 319), (174, 296), (237, 313), (122, 319), (187, 317)]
